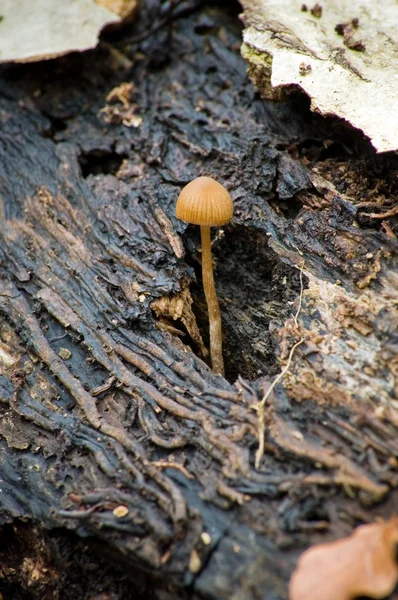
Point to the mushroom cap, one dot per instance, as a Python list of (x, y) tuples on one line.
[(204, 201)]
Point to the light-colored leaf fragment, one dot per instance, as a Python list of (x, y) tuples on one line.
[(32, 30), (361, 565), (123, 8), (178, 307), (345, 59)]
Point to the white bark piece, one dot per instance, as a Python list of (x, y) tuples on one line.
[(287, 45), (32, 30)]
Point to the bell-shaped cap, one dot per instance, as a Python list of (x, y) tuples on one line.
[(204, 201)]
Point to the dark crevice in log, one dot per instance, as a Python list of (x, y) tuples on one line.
[(256, 290), (57, 565), (100, 162)]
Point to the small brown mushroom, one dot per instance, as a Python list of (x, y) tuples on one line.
[(207, 203)]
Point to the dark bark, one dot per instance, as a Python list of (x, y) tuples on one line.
[(106, 400)]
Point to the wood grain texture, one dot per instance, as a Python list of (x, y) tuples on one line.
[(104, 403)]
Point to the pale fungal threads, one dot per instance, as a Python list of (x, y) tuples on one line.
[(207, 203)]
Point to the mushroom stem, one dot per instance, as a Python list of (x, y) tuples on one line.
[(212, 303)]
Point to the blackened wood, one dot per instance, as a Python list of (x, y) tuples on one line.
[(106, 404)]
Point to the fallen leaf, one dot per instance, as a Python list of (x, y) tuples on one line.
[(178, 307), (123, 8), (43, 29), (361, 565)]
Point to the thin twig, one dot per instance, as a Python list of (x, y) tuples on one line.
[(385, 215), (388, 230), (281, 374), (260, 406), (173, 465), (301, 296), (8, 296)]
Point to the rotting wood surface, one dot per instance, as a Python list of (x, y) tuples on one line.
[(106, 402)]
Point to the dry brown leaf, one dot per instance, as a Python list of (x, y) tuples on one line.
[(178, 307), (361, 565), (120, 108)]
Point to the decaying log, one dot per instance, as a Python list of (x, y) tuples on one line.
[(112, 424)]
